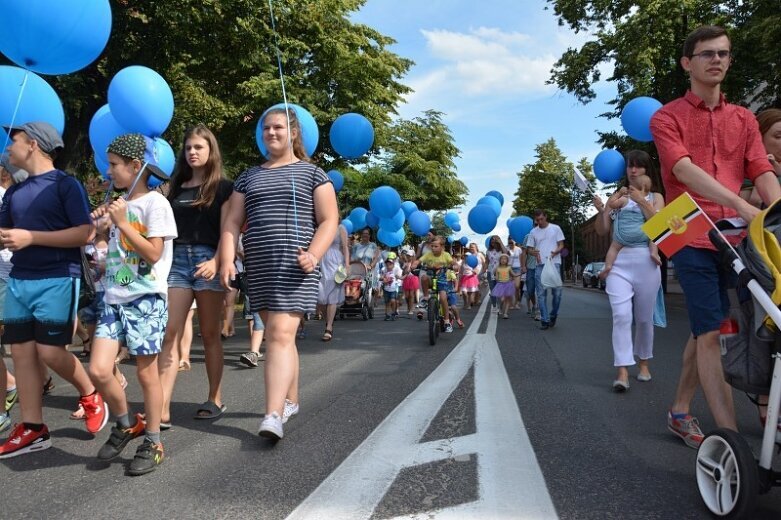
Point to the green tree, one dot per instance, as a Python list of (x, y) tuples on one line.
[(219, 58)]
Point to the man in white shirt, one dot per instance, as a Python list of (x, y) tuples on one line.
[(548, 240)]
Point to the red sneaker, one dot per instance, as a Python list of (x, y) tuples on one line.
[(23, 440), (95, 412), (688, 429)]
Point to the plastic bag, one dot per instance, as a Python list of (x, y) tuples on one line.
[(550, 278)]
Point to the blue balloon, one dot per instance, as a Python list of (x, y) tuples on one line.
[(409, 207), (394, 223), (451, 218), (37, 100), (472, 260), (351, 135), (609, 166), (464, 241), (450, 239), (358, 218), (385, 202), (482, 218), (348, 225), (166, 160), (372, 221), (141, 100), (509, 220), (488, 242), (498, 196), (456, 227), (520, 227), (310, 134), (419, 223), (636, 118), (54, 37), (102, 130), (101, 164), (337, 179), (391, 238), (491, 202)]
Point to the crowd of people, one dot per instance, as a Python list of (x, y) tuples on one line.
[(274, 233)]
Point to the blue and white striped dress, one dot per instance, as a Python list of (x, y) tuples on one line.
[(280, 220)]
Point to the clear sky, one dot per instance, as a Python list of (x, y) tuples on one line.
[(485, 66)]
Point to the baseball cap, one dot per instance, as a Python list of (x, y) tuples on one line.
[(389, 259), (391, 256), (17, 174), (141, 148), (47, 137)]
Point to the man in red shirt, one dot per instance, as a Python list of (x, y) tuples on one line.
[(706, 148)]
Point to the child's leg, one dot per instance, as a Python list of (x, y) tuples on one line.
[(445, 307), (654, 250), (67, 367), (610, 258), (29, 382), (186, 341), (101, 372), (149, 379)]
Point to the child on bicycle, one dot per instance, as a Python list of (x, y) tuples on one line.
[(436, 263)]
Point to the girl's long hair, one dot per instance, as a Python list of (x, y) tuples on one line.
[(213, 168), (295, 128)]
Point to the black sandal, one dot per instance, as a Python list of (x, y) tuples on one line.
[(48, 386), (86, 347)]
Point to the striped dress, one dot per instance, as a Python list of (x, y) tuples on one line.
[(280, 220)]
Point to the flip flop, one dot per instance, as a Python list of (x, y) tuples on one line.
[(327, 335), (212, 411), (184, 366)]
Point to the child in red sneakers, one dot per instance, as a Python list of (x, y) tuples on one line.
[(140, 253), (43, 221)]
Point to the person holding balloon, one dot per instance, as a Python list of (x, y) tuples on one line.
[(290, 206), (468, 281), (634, 280)]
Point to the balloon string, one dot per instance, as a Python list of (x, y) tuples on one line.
[(287, 116), (16, 109)]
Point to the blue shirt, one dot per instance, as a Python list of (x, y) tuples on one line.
[(52, 201)]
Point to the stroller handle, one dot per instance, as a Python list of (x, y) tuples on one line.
[(717, 239)]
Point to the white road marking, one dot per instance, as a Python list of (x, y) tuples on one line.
[(511, 484)]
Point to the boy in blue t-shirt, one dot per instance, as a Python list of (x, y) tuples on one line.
[(43, 220)]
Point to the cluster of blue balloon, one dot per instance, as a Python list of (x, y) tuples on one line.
[(609, 165), (483, 217), (139, 101), (48, 38)]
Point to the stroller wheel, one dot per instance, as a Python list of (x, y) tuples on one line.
[(727, 474)]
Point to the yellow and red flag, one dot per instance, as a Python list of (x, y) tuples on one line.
[(677, 225)]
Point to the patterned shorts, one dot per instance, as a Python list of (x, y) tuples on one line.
[(139, 324)]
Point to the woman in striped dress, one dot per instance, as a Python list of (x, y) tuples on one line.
[(290, 208)]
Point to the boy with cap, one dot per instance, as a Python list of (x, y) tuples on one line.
[(140, 253), (43, 221)]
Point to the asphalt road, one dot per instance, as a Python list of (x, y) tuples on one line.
[(516, 423)]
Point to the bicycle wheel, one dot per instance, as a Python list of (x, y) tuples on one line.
[(433, 320)]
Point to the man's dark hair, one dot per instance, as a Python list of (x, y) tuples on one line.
[(540, 212), (701, 34)]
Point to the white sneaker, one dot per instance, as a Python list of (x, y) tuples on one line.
[(271, 427), (290, 410)]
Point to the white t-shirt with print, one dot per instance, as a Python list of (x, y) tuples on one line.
[(128, 276), (391, 278), (546, 240), (515, 257)]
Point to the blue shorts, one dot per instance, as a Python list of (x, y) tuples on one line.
[(452, 298), (139, 324), (185, 263), (390, 295), (3, 285), (43, 310), (89, 314), (704, 281)]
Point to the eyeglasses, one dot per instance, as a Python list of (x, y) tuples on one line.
[(709, 55)]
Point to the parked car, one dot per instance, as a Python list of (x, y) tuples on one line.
[(591, 275)]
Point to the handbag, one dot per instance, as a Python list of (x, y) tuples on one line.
[(87, 290)]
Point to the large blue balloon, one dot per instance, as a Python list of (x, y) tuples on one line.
[(391, 238), (393, 223), (482, 218), (310, 134), (520, 227), (358, 217), (372, 221), (491, 202), (464, 241), (141, 100), (472, 260), (451, 218), (337, 178), (609, 166), (636, 118), (102, 130), (409, 207), (348, 225), (497, 195), (351, 135), (384, 202), (54, 37), (419, 223), (38, 102)]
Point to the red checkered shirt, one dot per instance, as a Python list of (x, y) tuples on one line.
[(725, 142)]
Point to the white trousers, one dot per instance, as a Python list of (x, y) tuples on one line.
[(632, 286)]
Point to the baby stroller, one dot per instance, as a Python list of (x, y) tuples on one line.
[(357, 293), (728, 475)]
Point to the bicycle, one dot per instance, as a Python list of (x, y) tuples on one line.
[(435, 314)]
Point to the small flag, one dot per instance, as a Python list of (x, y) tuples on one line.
[(582, 183), (677, 225)]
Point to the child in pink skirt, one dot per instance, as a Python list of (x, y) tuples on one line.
[(410, 283), (469, 283), (505, 284)]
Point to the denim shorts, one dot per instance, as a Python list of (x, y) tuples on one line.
[(452, 298), (40, 310), (391, 295), (89, 314), (704, 280), (185, 263), (139, 324)]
